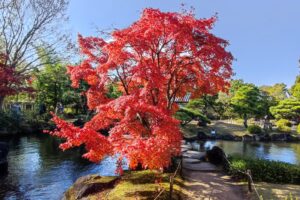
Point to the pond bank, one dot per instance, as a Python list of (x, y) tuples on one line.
[(233, 132), (132, 185)]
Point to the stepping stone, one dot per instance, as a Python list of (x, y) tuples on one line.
[(183, 150), (190, 160), (202, 166), (197, 155), (196, 152), (186, 146)]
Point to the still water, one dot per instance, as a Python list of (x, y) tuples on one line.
[(39, 170), (280, 151)]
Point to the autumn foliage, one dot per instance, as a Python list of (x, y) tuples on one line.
[(159, 57), (10, 80)]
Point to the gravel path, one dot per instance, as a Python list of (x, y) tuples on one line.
[(212, 185)]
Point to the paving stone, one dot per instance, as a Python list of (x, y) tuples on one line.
[(202, 166)]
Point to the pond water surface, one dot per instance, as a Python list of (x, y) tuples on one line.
[(280, 151), (39, 170)]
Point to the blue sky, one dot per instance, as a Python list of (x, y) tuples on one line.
[(264, 35)]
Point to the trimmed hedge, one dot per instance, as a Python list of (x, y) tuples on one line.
[(265, 170), (254, 129)]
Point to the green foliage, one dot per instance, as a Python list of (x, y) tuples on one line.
[(52, 85), (186, 115), (284, 125), (248, 101), (298, 128), (254, 129), (8, 120), (235, 86), (295, 90), (113, 91), (286, 109), (278, 91), (207, 105), (264, 170), (245, 100)]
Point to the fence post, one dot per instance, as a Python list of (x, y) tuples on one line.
[(248, 172), (181, 165), (171, 187)]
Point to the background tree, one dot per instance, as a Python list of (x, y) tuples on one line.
[(295, 89), (158, 58), (186, 115), (279, 91), (246, 102), (287, 109), (26, 25), (53, 85)]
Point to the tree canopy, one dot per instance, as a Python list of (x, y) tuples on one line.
[(287, 109), (279, 91), (295, 89), (161, 56)]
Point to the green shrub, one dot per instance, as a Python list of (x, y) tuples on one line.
[(265, 170), (186, 115), (284, 125), (254, 129), (298, 128)]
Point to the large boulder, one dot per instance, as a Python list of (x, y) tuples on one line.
[(279, 137), (238, 138), (248, 138), (87, 185), (216, 156), (265, 138), (228, 137), (292, 138)]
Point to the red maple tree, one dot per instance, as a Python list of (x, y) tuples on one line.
[(11, 82), (161, 56), (9, 79)]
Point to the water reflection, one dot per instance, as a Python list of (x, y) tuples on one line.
[(286, 152), (39, 170)]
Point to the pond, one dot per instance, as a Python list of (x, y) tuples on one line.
[(39, 170), (280, 151)]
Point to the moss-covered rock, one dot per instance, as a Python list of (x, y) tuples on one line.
[(87, 185)]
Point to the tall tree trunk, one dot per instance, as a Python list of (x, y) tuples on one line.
[(245, 121)]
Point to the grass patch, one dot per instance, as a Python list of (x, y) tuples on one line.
[(141, 185)]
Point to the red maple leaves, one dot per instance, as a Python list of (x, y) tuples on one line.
[(10, 80), (157, 58)]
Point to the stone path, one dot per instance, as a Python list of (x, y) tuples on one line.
[(203, 180)]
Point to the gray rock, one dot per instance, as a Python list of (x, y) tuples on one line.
[(87, 185), (190, 160), (203, 166)]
